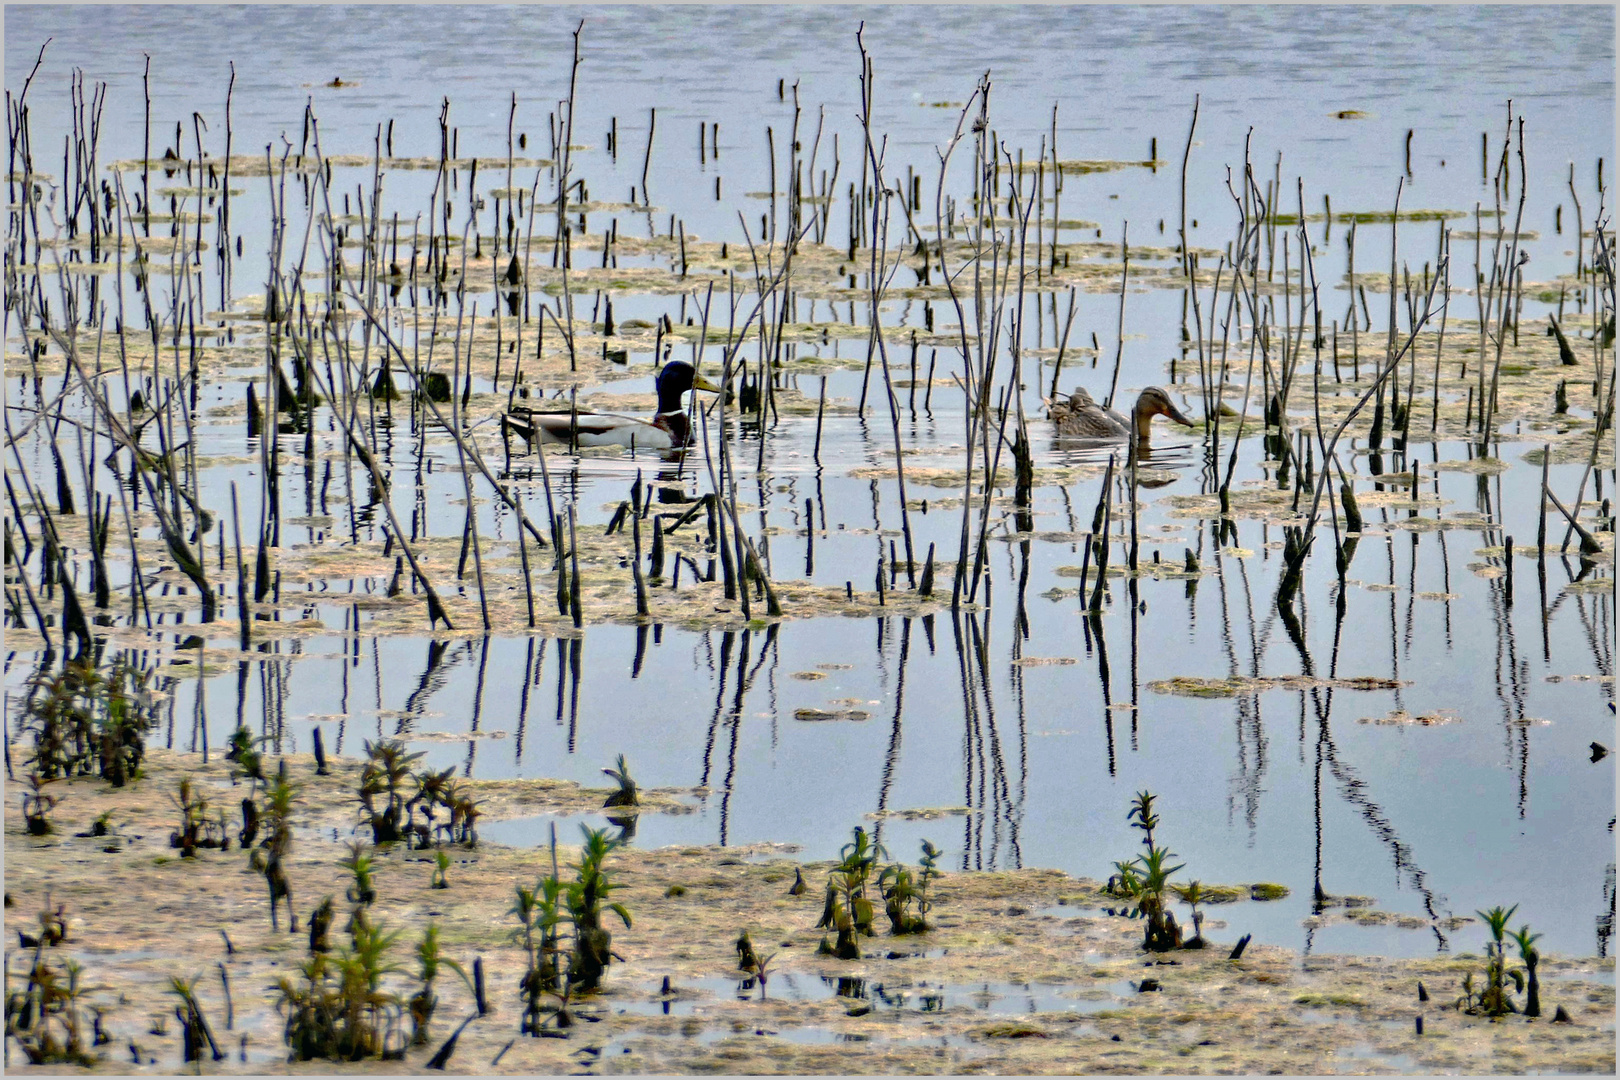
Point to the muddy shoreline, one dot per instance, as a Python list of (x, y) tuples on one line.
[(1024, 971)]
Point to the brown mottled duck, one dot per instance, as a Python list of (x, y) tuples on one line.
[(1081, 417)]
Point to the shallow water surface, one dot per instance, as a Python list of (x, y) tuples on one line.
[(1014, 732)]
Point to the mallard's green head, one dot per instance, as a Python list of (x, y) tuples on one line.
[(676, 379)]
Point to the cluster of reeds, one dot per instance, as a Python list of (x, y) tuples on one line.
[(905, 892), (270, 856), (1495, 999), (37, 804), (562, 933), (46, 1017), (391, 794), (849, 909), (1144, 881), (196, 828), (338, 1008), (83, 721)]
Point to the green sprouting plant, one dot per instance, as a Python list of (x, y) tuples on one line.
[(269, 856), (60, 714), (905, 895), (1193, 894), (627, 793), (1493, 999), (581, 904), (587, 899), (441, 863), (244, 751), (194, 1029), (276, 815), (900, 894), (193, 809), (386, 773), (930, 862), (433, 790), (123, 720), (1141, 816), (464, 815), (1145, 880), (338, 1010), (1526, 942), (1124, 882), (1468, 1003), (320, 926), (848, 909), (423, 1003), (37, 805), (44, 1018), (83, 721), (102, 826), (539, 911), (1162, 932), (360, 864)]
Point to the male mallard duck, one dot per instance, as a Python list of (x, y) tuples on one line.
[(1081, 417), (668, 427)]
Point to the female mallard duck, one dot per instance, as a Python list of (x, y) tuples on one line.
[(668, 427), (1081, 417)]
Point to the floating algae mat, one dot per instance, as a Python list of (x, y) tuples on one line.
[(369, 564)]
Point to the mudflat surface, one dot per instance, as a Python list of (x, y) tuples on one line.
[(1024, 972)]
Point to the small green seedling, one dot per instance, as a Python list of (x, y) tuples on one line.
[(194, 1029), (905, 895), (441, 863), (37, 805), (587, 899), (1526, 942), (539, 913), (464, 815), (192, 806), (244, 751), (102, 826), (432, 791), (359, 863), (1193, 894), (424, 1002)]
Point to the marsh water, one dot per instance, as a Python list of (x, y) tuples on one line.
[(1013, 735)]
